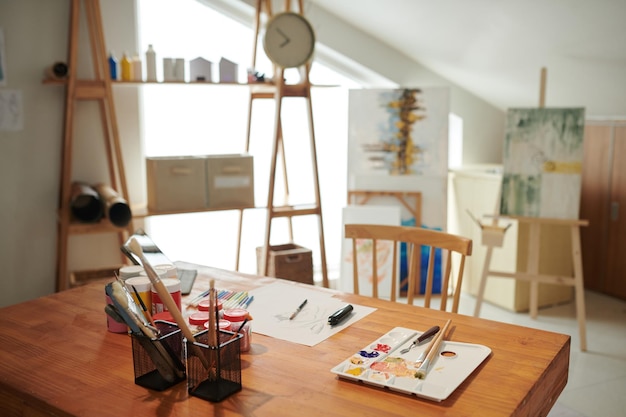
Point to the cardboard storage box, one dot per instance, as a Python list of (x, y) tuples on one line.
[(288, 261), (230, 180), (176, 183)]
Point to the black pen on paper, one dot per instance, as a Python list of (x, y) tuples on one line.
[(300, 307)]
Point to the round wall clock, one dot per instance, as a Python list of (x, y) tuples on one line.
[(289, 40)]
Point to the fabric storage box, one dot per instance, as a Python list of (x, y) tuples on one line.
[(176, 183), (230, 181), (288, 261)]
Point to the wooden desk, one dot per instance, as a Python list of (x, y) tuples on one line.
[(57, 358)]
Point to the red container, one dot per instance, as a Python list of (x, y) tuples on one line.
[(173, 287)]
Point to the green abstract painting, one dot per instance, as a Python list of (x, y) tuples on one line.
[(543, 153)]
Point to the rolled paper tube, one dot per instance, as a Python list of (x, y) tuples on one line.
[(117, 208), (85, 203)]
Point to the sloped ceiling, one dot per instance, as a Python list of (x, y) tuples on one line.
[(496, 48)]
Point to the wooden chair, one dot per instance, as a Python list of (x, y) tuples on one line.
[(415, 238)]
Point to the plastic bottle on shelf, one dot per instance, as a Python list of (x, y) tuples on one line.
[(113, 66), (137, 68), (150, 64), (127, 68)]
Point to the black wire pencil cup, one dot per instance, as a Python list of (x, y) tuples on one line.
[(222, 351)]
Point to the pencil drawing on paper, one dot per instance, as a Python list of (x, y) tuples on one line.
[(543, 151), (311, 319)]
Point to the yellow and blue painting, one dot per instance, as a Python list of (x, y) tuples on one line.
[(398, 141), (543, 154)]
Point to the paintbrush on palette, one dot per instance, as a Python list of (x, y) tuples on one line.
[(432, 349), (165, 296)]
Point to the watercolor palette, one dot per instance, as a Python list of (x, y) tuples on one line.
[(381, 363)]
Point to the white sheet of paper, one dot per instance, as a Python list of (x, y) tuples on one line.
[(273, 305), (11, 113)]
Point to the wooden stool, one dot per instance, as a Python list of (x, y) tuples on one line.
[(532, 274)]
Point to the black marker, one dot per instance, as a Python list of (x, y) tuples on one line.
[(339, 315), (300, 307)]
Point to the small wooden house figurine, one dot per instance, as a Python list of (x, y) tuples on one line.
[(200, 69), (228, 71)]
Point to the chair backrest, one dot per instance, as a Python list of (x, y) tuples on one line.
[(415, 238)]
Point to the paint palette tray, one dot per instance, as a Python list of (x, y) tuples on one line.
[(382, 364)]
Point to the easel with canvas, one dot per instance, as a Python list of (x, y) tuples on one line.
[(493, 236)]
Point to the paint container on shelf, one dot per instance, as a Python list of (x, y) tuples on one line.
[(113, 66), (127, 67), (137, 68), (151, 64)]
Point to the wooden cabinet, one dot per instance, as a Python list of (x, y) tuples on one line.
[(603, 203)]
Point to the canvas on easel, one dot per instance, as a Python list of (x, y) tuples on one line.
[(541, 186), (398, 141), (543, 154)]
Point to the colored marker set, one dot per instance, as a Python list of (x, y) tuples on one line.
[(229, 299)]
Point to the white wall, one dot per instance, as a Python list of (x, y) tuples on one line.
[(483, 123), (36, 33)]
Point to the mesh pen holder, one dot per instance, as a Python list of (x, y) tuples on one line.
[(159, 363), (222, 377)]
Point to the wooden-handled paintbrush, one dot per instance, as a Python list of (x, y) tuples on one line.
[(433, 349), (124, 304), (165, 295)]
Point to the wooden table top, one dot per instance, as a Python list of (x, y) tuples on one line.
[(57, 358)]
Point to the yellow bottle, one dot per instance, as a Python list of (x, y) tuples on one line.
[(127, 68)]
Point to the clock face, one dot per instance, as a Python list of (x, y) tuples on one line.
[(289, 40)]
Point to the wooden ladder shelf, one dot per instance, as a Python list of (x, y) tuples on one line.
[(98, 89), (277, 92)]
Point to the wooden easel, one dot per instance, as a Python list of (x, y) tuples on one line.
[(98, 89), (277, 91), (532, 274)]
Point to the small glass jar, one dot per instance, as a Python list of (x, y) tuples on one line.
[(203, 305), (222, 325), (238, 318), (199, 318)]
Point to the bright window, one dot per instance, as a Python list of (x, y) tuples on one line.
[(209, 119)]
